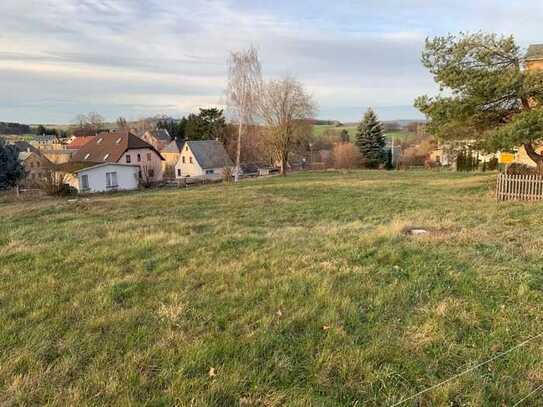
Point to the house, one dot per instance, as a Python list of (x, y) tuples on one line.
[(534, 60), (35, 166), (106, 177), (205, 159), (171, 154), (158, 138), (534, 57), (125, 148), (48, 142)]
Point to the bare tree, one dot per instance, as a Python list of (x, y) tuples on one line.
[(285, 108), (96, 120), (122, 124), (244, 83)]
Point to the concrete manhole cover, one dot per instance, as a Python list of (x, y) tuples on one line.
[(415, 231)]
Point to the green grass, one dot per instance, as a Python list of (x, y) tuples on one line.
[(319, 130), (298, 291)]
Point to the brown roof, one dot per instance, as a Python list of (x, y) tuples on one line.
[(110, 147)]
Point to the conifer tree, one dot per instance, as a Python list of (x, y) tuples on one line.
[(11, 170), (370, 140)]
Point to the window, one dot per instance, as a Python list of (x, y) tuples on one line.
[(84, 182), (128, 159), (106, 156), (139, 157), (38, 164), (99, 140), (31, 164), (149, 156), (209, 172), (190, 160), (186, 148), (111, 180), (178, 172), (183, 159), (151, 173), (86, 156), (118, 140)]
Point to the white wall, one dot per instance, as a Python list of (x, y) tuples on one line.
[(127, 178), (187, 169)]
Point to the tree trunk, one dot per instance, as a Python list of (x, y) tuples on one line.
[(537, 158), (238, 150), (284, 163)]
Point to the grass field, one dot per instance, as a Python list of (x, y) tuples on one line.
[(319, 130), (298, 291)]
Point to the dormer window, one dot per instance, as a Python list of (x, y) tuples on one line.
[(106, 157), (118, 140), (87, 156), (99, 140)]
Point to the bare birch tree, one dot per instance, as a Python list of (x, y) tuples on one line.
[(285, 108), (244, 83)]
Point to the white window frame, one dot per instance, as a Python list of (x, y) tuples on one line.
[(111, 180)]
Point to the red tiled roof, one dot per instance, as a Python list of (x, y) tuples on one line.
[(79, 142)]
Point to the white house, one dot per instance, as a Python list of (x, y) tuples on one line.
[(123, 147), (205, 159), (106, 177)]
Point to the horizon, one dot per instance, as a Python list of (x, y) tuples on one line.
[(143, 58)]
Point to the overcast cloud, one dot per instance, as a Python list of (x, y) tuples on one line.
[(133, 58)]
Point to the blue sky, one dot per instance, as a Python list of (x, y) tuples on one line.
[(59, 58)]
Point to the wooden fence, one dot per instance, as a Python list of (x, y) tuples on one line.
[(519, 187)]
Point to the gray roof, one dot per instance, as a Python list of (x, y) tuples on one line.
[(163, 135), (174, 146), (25, 146), (210, 154), (535, 51)]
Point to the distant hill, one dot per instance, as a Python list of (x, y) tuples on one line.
[(14, 128)]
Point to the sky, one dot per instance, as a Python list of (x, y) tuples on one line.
[(137, 58)]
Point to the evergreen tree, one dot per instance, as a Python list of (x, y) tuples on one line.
[(370, 140), (11, 169)]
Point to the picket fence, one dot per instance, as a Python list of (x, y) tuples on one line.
[(519, 187)]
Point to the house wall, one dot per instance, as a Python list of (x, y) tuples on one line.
[(58, 156), (534, 64), (169, 165), (35, 169), (127, 178), (155, 163), (188, 169)]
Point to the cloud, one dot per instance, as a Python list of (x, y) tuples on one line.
[(135, 57)]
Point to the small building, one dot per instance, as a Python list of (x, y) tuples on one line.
[(106, 177), (35, 167), (123, 147), (205, 159)]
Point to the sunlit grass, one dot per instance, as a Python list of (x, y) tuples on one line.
[(297, 291)]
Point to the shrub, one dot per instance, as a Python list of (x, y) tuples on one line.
[(345, 156)]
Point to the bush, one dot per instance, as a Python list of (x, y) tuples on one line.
[(345, 156), (55, 183)]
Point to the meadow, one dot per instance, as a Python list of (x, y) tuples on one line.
[(283, 291)]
